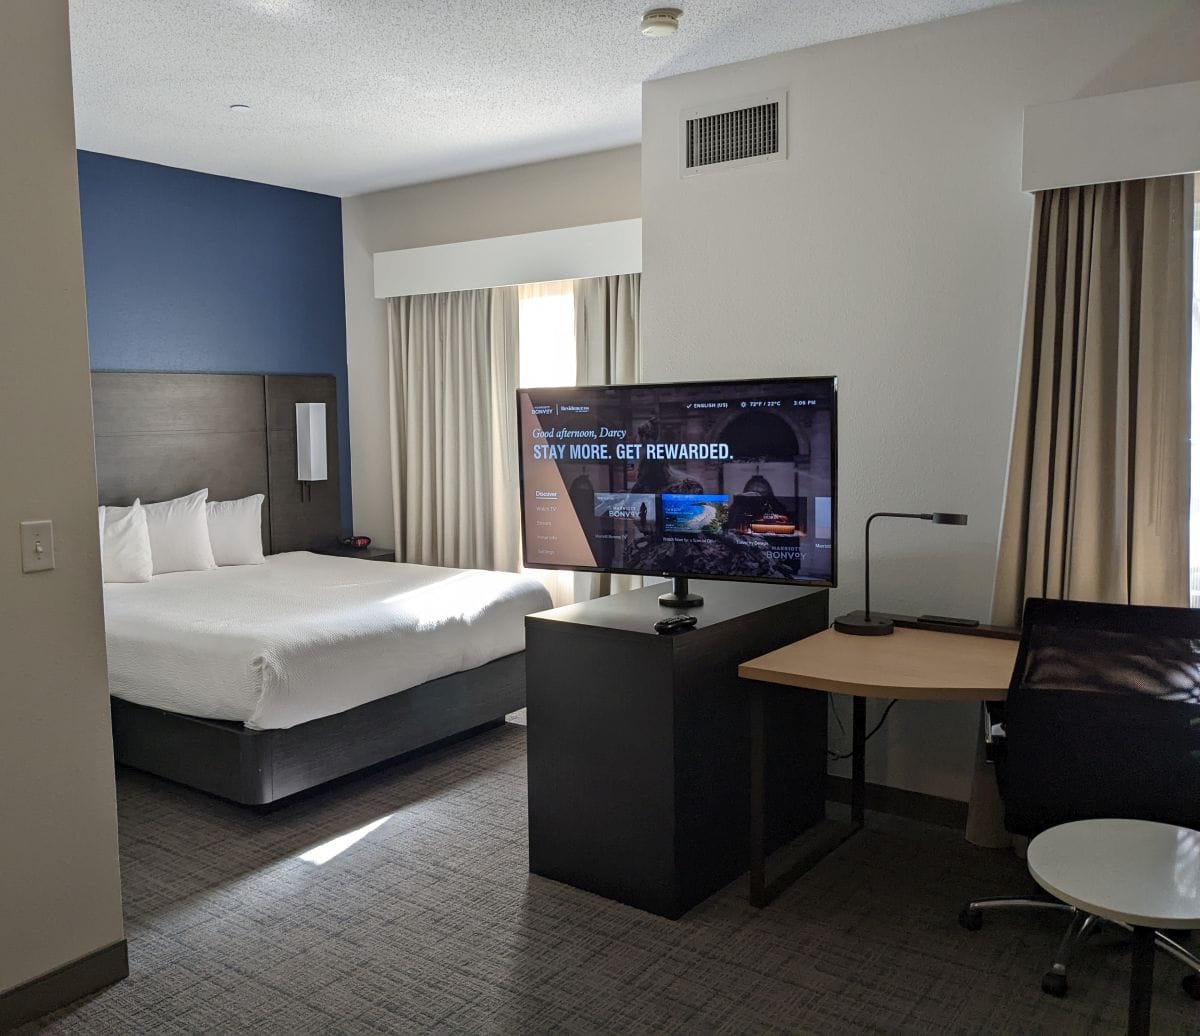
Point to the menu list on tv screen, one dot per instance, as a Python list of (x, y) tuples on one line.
[(722, 479)]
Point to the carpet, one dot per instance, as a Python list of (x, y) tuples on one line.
[(401, 902)]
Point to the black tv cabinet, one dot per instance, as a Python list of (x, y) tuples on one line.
[(639, 743)]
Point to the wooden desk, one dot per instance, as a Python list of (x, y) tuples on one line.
[(917, 665), (910, 664)]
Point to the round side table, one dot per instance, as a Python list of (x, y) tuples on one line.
[(1143, 874)]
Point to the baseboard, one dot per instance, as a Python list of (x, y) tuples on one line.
[(66, 985), (914, 805)]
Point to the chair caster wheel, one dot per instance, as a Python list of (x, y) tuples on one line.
[(1054, 984), (1191, 985), (971, 920)]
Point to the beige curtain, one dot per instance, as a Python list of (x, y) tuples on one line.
[(453, 378), (608, 351), (1098, 482), (1098, 478), (608, 343)]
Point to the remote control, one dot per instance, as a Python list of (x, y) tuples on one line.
[(675, 624), (947, 620)]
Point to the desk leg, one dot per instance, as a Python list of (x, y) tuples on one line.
[(858, 773), (758, 803), (1141, 982), (791, 861)]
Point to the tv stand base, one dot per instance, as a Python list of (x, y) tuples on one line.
[(680, 596)]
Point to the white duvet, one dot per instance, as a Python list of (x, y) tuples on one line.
[(305, 635)]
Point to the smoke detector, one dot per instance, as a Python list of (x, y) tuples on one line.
[(661, 21)]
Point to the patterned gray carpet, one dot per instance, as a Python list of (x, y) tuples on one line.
[(423, 917)]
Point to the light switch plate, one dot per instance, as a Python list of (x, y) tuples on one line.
[(37, 546)]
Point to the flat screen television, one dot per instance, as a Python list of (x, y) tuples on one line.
[(706, 479)]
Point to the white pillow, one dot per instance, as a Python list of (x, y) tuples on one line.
[(179, 534), (125, 545), (235, 530)]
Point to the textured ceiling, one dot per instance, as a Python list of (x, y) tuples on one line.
[(354, 95)]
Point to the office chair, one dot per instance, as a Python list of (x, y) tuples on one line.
[(1102, 719)]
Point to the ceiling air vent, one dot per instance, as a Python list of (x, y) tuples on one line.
[(753, 129)]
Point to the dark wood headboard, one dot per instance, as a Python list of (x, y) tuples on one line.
[(160, 436)]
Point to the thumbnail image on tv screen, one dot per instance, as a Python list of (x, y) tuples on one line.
[(733, 479)]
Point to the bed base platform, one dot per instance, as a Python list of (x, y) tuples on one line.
[(261, 767)]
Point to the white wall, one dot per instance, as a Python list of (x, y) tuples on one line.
[(59, 884), (595, 188), (891, 250)]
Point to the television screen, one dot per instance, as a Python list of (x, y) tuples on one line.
[(717, 480)]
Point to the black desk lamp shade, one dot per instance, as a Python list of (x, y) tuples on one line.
[(863, 624)]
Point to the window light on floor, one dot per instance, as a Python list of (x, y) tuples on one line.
[(326, 851)]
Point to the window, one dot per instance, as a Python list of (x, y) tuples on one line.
[(547, 334), (546, 323)]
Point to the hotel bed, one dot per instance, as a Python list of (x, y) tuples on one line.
[(305, 636), (255, 682)]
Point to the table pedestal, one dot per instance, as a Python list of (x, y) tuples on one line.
[(1141, 983)]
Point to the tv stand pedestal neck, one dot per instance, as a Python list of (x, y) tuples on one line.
[(680, 596)]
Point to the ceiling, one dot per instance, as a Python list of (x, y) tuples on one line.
[(348, 96)]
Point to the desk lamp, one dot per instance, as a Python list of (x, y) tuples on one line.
[(862, 624)]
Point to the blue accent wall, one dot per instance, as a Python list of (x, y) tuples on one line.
[(191, 272)]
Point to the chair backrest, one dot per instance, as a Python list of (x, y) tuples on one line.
[(1103, 716)]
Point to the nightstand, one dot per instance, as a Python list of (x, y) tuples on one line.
[(366, 554)]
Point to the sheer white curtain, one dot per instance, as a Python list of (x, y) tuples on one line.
[(452, 380), (547, 333)]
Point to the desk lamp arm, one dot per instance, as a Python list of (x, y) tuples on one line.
[(867, 550)]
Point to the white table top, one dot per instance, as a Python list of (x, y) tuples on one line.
[(1134, 871)]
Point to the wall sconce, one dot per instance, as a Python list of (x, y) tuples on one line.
[(311, 462)]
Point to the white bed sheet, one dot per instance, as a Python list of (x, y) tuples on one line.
[(305, 635)]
